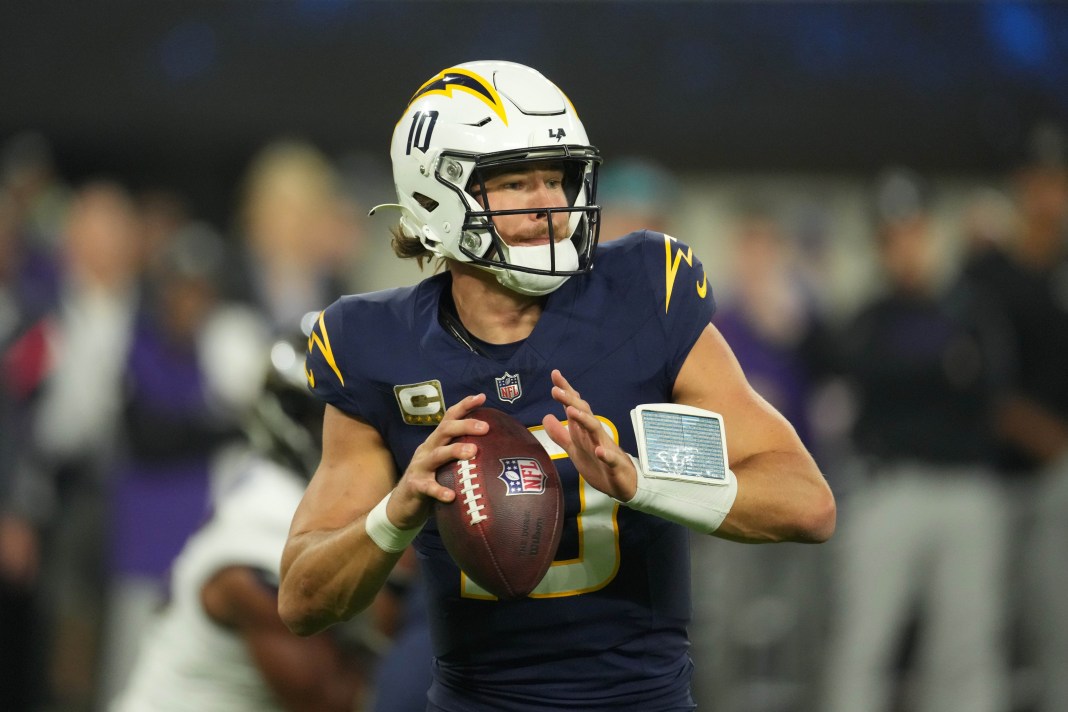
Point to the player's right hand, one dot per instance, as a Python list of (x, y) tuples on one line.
[(601, 461), (418, 488)]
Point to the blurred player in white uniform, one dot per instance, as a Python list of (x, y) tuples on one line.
[(219, 643)]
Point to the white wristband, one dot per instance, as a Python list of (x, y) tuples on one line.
[(699, 506), (384, 533)]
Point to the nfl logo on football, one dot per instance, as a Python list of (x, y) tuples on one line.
[(508, 388), (522, 475)]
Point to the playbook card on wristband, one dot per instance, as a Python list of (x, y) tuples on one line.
[(680, 442)]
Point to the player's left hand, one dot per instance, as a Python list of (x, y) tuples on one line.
[(600, 460)]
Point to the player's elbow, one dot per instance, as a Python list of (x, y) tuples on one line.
[(299, 610), (817, 522), (309, 605), (294, 616)]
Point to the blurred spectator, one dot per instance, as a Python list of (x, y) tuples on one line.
[(28, 174), (988, 222), (219, 645), (763, 655), (296, 232), (33, 205), (367, 181), (77, 351), (9, 248), (20, 631), (636, 193), (924, 534), (173, 425), (1030, 278), (20, 661), (164, 213), (769, 315)]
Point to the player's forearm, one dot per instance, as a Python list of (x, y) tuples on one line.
[(330, 576), (781, 497)]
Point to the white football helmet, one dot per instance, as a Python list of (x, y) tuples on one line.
[(487, 115)]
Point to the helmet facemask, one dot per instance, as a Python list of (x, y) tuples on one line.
[(539, 269)]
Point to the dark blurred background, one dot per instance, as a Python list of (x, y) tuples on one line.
[(183, 92)]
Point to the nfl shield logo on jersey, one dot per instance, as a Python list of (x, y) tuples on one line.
[(522, 475), (508, 387)]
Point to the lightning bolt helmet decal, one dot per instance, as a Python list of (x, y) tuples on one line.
[(456, 78)]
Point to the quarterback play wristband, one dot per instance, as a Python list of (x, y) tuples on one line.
[(682, 466), (384, 533)]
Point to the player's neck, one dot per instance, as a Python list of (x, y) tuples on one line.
[(489, 311)]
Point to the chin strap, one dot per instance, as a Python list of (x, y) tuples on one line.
[(539, 257)]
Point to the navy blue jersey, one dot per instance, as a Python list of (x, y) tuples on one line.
[(606, 628)]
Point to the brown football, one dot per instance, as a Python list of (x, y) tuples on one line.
[(504, 526)]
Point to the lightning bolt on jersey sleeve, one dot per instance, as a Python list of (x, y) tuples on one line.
[(354, 342), (660, 280), (681, 285), (325, 378)]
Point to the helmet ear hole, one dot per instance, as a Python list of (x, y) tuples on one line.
[(427, 203)]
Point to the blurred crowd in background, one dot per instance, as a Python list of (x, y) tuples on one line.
[(913, 328)]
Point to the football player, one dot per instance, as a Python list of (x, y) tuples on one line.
[(496, 179), (219, 643)]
